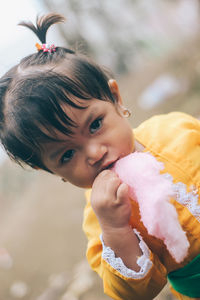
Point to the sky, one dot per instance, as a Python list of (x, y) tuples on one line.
[(15, 40)]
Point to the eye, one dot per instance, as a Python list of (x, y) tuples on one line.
[(95, 125), (67, 156)]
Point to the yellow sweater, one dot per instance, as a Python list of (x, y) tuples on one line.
[(173, 139)]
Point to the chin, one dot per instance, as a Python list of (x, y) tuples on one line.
[(84, 185)]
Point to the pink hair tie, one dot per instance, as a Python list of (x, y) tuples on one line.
[(46, 47)]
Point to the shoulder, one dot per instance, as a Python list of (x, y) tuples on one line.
[(169, 128), (173, 138), (171, 120)]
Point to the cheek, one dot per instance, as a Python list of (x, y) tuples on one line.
[(128, 142), (125, 137), (80, 176), (82, 182)]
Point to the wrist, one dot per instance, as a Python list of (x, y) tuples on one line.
[(120, 237), (125, 244), (116, 231)]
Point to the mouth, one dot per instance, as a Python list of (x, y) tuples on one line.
[(108, 165)]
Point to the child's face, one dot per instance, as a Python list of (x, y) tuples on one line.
[(103, 136)]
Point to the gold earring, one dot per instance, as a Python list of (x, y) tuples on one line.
[(126, 112), (63, 179)]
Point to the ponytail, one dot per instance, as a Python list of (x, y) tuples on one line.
[(42, 25)]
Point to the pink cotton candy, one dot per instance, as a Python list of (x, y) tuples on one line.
[(152, 191)]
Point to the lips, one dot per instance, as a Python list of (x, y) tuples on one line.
[(108, 165)]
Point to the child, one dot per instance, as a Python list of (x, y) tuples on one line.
[(62, 113)]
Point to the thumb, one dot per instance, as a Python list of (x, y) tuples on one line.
[(122, 192)]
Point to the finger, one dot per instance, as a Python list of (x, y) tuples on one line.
[(122, 192), (106, 174), (103, 180), (111, 185), (111, 182), (107, 183)]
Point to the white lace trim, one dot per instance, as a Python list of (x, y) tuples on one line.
[(116, 262), (185, 198)]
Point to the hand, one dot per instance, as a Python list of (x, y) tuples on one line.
[(110, 201)]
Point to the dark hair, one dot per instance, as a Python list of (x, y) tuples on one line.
[(33, 92)]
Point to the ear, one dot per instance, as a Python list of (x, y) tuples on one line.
[(115, 91)]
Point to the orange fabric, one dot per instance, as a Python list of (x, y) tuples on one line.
[(173, 139)]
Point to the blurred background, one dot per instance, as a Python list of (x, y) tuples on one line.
[(153, 50)]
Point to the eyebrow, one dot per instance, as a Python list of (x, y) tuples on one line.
[(90, 117)]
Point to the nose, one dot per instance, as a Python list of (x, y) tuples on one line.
[(95, 152)]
